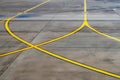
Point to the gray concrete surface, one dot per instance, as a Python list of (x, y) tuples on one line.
[(54, 19)]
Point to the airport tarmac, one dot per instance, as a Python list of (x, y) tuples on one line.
[(52, 20)]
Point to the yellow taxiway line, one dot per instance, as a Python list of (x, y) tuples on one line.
[(85, 23)]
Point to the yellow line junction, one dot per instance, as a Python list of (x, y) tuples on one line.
[(85, 24)]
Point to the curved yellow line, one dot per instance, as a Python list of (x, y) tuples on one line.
[(46, 42), (103, 34), (85, 23), (43, 43), (58, 56)]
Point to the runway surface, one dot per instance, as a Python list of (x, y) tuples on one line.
[(84, 46)]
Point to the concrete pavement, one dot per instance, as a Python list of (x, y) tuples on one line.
[(85, 46)]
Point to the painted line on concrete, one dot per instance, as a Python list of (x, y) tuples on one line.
[(58, 56)]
